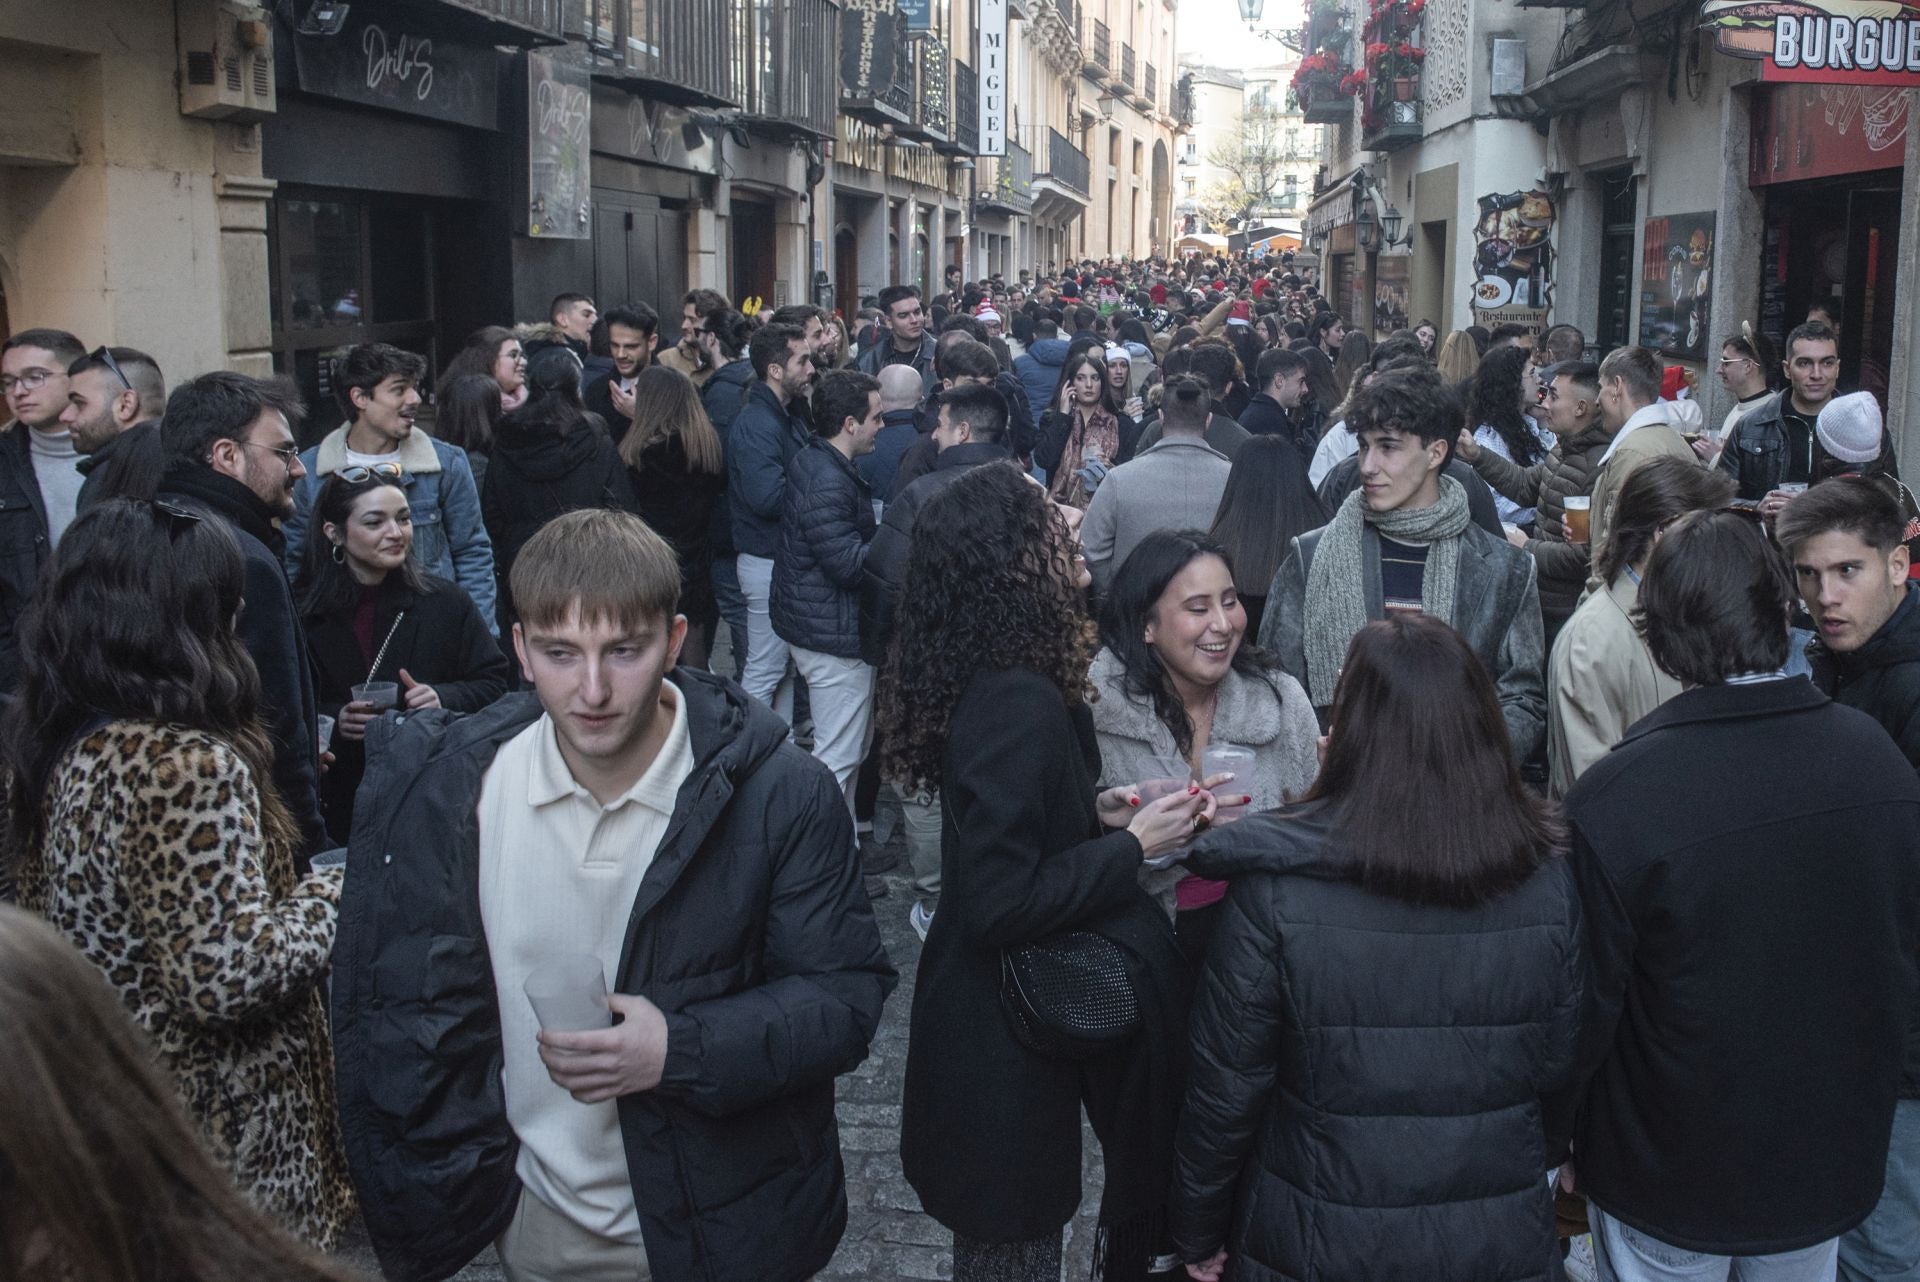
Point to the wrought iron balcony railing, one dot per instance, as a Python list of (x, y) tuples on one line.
[(1096, 50), (966, 109), (783, 63), (1126, 65), (1066, 165), (678, 49)]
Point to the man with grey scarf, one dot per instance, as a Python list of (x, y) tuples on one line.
[(1404, 541)]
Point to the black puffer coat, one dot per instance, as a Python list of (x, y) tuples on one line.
[(1882, 677), (824, 535), (1366, 1099), (540, 471), (751, 932)]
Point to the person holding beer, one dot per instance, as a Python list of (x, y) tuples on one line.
[(1601, 677)]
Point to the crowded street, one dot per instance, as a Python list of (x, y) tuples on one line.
[(982, 641)]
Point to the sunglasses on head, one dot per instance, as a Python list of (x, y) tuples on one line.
[(357, 475)]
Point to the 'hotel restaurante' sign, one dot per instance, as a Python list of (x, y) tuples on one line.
[(1857, 42)]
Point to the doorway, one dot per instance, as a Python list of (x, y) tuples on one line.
[(846, 272), (751, 244), (1835, 241), (1619, 218)]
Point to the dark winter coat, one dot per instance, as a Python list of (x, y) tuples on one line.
[(990, 1135), (24, 545), (1265, 416), (597, 394), (897, 435), (127, 465), (724, 392), (764, 439), (678, 502), (1039, 372), (1545, 487), (751, 932), (815, 602), (441, 641), (1756, 455), (884, 574), (1367, 1094), (1882, 677), (880, 355), (1754, 955), (538, 472), (270, 630)]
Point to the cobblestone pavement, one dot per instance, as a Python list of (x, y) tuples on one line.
[(888, 1236)]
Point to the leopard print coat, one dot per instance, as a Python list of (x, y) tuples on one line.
[(154, 864)]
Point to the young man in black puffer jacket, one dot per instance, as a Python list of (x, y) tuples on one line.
[(824, 535)]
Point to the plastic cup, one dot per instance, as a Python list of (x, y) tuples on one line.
[(1228, 759), (1579, 512), (380, 695), (325, 726), (1793, 487), (1164, 777), (569, 993)]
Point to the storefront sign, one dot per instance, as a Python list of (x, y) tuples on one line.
[(917, 14), (1823, 131), (398, 66), (1513, 259), (1853, 42), (1676, 282), (559, 149), (652, 133), (992, 60)]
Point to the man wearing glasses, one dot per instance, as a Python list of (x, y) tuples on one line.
[(1775, 447), (115, 398), (230, 449), (39, 484)]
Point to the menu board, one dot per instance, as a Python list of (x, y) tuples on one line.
[(559, 149)]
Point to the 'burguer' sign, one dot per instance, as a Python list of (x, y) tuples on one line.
[(1858, 42)]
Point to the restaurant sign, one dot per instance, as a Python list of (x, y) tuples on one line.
[(1857, 42)]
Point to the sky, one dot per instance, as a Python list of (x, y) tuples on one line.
[(1212, 32)]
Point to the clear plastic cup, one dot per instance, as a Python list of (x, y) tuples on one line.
[(1793, 487), (1164, 777), (1228, 759), (324, 724), (569, 993), (381, 695)]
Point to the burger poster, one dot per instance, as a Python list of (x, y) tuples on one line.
[(1854, 42), (1513, 258), (1676, 282)]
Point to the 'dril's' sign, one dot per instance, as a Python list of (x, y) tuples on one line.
[(1857, 42)]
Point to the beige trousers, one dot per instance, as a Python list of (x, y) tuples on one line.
[(542, 1245)]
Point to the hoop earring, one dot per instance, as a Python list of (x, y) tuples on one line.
[(339, 554)]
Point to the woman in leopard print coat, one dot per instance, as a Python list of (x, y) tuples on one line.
[(148, 832)]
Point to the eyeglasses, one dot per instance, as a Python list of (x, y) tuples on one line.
[(1737, 360), (105, 356), (178, 518), (289, 454), (358, 475), (28, 382)]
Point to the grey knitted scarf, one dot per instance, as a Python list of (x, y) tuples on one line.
[(1336, 605)]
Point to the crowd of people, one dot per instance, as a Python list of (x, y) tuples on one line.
[(1437, 807)]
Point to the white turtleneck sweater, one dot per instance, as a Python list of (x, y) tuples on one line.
[(56, 467)]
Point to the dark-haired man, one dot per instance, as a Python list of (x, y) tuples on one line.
[(573, 316), (1404, 540), (230, 448), (378, 386), (811, 321), (824, 534), (632, 334), (770, 429), (697, 311), (1213, 363), (907, 341), (960, 362), (1724, 924), (656, 820), (1280, 397), (1778, 443), (39, 480), (1173, 484), (115, 397)]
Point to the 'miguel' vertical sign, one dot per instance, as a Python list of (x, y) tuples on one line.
[(992, 60)]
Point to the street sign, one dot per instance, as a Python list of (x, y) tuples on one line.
[(992, 61)]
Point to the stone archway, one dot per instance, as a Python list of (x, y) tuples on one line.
[(1160, 217)]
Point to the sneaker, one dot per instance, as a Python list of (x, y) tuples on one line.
[(876, 858), (921, 919), (877, 888)]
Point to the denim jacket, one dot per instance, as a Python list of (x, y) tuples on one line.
[(449, 539)]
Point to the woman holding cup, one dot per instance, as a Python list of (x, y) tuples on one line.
[(1183, 697), (381, 634)]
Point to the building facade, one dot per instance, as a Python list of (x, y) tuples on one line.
[(1291, 146)]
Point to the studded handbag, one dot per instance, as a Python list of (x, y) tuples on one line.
[(1069, 996)]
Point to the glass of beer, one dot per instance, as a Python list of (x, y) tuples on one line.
[(1579, 512)]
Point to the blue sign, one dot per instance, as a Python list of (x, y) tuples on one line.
[(918, 14)]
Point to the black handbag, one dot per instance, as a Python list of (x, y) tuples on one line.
[(1069, 996)]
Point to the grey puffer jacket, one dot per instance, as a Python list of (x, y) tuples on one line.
[(824, 536), (1568, 470), (1378, 1087)]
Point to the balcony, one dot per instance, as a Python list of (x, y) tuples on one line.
[(1012, 189), (1126, 66), (783, 65), (1321, 102), (675, 50), (1389, 121), (1183, 104), (1096, 51), (516, 22), (1062, 185), (876, 68), (932, 116), (966, 110), (1152, 88)]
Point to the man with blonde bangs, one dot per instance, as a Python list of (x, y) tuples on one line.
[(655, 821)]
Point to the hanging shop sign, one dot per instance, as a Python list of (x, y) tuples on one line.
[(917, 14), (1513, 259), (1390, 293), (1676, 282), (1823, 131), (992, 60), (1856, 42), (559, 149), (394, 64)]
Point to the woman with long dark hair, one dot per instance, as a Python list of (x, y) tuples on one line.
[(985, 697), (101, 1174), (679, 474), (1083, 425), (371, 615), (466, 415), (143, 818), (1391, 1002), (1267, 504), (1356, 353), (1499, 399), (1176, 675), (551, 456), (496, 352)]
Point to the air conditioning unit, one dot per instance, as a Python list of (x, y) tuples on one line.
[(226, 60)]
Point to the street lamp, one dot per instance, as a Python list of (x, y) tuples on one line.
[(1367, 229), (1250, 11), (1390, 223)]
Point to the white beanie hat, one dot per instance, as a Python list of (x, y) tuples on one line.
[(1849, 428), (1115, 352)]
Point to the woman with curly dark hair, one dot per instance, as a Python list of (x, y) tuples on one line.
[(984, 696), (1502, 392)]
